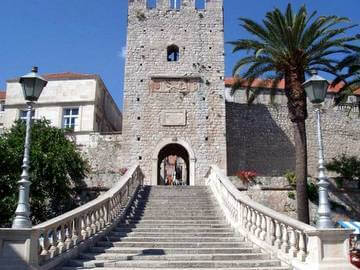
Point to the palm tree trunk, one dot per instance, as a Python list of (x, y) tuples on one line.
[(298, 113), (301, 171)]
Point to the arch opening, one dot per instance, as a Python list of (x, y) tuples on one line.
[(173, 165)]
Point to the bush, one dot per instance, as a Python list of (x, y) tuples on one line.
[(56, 171), (348, 167)]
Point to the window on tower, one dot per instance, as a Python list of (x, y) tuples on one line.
[(175, 4), (150, 4), (173, 53), (200, 4)]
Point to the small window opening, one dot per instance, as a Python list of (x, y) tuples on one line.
[(150, 4), (138, 138), (137, 99), (140, 157), (175, 4), (173, 53), (138, 118), (206, 138), (200, 4)]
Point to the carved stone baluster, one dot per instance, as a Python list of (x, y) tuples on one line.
[(240, 213), (45, 247), (270, 235), (76, 235), (68, 235), (249, 215), (285, 239), (101, 217), (293, 243), (84, 234), (61, 238), (92, 217), (302, 247), (253, 221), (258, 224), (97, 219), (88, 224), (264, 228), (277, 242), (244, 220), (53, 241)]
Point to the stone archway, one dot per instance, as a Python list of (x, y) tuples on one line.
[(174, 147)]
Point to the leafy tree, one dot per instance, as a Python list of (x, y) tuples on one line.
[(348, 167), (56, 171), (287, 46)]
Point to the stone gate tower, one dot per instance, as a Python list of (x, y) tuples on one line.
[(174, 86)]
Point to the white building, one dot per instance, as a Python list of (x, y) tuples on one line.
[(79, 102)]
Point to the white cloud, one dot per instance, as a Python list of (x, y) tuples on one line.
[(122, 53)]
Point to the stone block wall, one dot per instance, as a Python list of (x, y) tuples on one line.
[(105, 155), (175, 100), (260, 137)]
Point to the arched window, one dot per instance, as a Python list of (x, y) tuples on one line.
[(200, 4), (172, 53), (150, 4), (175, 4)]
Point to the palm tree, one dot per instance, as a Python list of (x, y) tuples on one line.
[(349, 81), (287, 46)]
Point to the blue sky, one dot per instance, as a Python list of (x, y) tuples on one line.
[(89, 36)]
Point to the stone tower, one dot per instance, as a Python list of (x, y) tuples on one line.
[(174, 86)]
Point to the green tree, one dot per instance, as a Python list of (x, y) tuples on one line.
[(56, 171), (287, 46)]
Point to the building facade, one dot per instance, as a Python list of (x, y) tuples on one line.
[(78, 102), (2, 110), (174, 86)]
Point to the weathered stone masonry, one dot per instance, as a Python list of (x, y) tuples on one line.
[(175, 101)]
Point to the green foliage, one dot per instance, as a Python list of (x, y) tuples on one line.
[(291, 195), (348, 167), (311, 188), (291, 178), (56, 171)]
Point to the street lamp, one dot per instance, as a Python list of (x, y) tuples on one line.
[(32, 86), (316, 89)]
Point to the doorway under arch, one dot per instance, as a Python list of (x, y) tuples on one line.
[(169, 150)]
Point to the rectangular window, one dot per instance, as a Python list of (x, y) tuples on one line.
[(70, 118), (23, 113), (150, 4), (175, 4), (200, 4)]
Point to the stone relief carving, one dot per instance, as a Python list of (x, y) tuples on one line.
[(173, 85)]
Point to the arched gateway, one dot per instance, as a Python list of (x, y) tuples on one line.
[(173, 147)]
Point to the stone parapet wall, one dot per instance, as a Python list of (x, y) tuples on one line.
[(260, 138), (105, 155)]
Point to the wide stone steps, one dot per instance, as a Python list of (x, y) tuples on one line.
[(161, 251), (174, 228)]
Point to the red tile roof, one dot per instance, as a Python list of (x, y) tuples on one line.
[(2, 95), (281, 85), (68, 76)]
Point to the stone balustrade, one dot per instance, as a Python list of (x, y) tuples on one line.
[(50, 243), (295, 243)]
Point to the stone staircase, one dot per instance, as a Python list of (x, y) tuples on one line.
[(174, 228)]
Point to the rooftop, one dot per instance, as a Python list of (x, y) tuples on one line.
[(63, 76), (2, 94), (281, 85)]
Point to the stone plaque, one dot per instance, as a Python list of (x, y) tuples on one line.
[(172, 85), (173, 118)]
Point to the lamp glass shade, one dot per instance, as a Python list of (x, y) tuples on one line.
[(316, 88), (32, 85)]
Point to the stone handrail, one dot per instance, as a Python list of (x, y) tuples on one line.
[(293, 242), (66, 235)]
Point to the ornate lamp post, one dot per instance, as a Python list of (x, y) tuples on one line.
[(316, 89), (32, 85)]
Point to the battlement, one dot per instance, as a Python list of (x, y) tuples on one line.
[(175, 4)]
